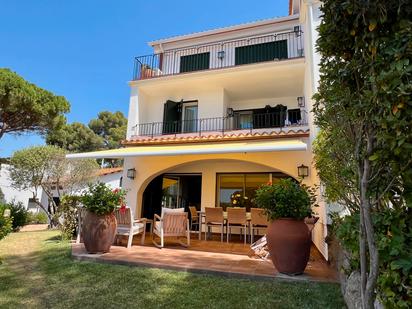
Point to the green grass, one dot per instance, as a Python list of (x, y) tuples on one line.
[(37, 272)]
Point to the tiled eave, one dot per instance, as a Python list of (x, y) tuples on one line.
[(162, 140)]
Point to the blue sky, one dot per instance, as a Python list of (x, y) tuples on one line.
[(84, 50)]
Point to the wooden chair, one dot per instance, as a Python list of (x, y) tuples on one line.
[(258, 221), (214, 218), (236, 217), (172, 224), (194, 217), (127, 226)]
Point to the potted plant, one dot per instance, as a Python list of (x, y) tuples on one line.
[(99, 222), (287, 204)]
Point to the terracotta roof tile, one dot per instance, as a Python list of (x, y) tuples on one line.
[(109, 170), (215, 137)]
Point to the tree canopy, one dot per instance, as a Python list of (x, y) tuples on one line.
[(24, 107), (104, 132), (75, 137), (111, 127), (364, 152), (46, 168)]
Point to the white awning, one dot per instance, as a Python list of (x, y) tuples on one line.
[(193, 149)]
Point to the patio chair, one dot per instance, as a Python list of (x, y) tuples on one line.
[(194, 217), (258, 221), (127, 226), (81, 212), (236, 217), (214, 218), (171, 224)]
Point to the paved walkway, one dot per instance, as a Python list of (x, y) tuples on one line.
[(205, 257), (34, 227)]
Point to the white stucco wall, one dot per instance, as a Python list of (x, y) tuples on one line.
[(10, 192), (310, 17)]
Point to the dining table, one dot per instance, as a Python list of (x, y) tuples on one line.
[(202, 215)]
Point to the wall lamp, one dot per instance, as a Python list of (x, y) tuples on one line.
[(296, 29), (221, 54), (303, 171), (301, 101), (131, 173)]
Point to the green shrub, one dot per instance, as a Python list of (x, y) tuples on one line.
[(37, 218), (394, 238), (101, 199), (19, 214), (285, 199), (68, 212), (6, 224)]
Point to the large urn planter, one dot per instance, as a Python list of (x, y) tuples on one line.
[(99, 223), (98, 232), (287, 204), (289, 243)]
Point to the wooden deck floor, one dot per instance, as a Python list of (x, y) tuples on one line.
[(212, 256)]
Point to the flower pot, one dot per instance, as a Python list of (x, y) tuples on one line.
[(289, 242), (98, 232)]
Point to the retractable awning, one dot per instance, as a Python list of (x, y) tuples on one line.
[(193, 149)]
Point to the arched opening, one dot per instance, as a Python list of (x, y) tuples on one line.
[(172, 190), (206, 183)]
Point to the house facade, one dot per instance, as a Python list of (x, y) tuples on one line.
[(213, 115)]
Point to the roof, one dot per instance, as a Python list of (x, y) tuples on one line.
[(109, 170), (197, 149), (217, 137), (247, 25)]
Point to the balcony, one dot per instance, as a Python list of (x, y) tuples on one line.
[(224, 54), (236, 124)]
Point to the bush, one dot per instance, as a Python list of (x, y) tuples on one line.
[(37, 218), (101, 199), (394, 238), (6, 224), (19, 214), (68, 212), (285, 199)]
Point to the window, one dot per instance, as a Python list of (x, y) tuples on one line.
[(190, 117), (194, 62), (261, 52), (180, 117), (238, 189), (243, 120)]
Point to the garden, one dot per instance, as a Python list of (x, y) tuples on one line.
[(37, 272)]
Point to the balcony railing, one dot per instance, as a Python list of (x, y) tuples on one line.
[(274, 47), (222, 125)]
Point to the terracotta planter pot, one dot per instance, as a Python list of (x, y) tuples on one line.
[(98, 232), (289, 244)]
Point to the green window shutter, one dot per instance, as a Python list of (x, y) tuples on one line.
[(194, 62), (261, 52), (172, 117)]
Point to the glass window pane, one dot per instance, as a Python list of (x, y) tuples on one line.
[(170, 192), (230, 185), (252, 182)]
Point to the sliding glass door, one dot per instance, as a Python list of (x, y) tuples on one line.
[(170, 192), (190, 118), (239, 189)]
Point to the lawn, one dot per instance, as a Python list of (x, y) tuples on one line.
[(37, 272)]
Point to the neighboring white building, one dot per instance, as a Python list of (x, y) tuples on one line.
[(110, 176), (222, 111), (20, 196)]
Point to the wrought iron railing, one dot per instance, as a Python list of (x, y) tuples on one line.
[(223, 124), (274, 47)]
